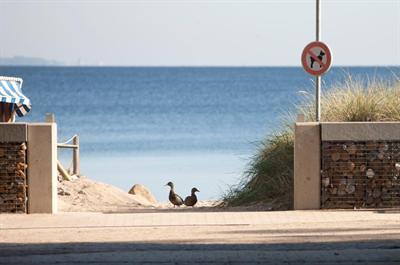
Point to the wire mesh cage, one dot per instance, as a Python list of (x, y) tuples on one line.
[(13, 181), (360, 174)]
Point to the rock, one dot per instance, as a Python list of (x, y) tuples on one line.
[(325, 182), (62, 192), (335, 156), (351, 165), (376, 193), (350, 188), (341, 190), (352, 149), (74, 177), (345, 156), (23, 146), (59, 178), (370, 173), (333, 190), (388, 184), (383, 147), (21, 166), (141, 190)]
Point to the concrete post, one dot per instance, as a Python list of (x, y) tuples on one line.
[(307, 166), (42, 169)]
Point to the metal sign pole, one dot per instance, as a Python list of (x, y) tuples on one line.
[(318, 78)]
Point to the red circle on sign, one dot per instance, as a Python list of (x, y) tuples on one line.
[(316, 58)]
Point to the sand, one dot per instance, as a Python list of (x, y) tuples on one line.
[(86, 195)]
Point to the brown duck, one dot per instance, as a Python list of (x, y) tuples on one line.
[(192, 199), (174, 198)]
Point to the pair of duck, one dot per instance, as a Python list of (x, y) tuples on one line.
[(176, 200)]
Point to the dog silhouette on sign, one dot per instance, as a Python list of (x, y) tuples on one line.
[(320, 56)]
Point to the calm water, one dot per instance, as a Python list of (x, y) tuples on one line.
[(194, 126)]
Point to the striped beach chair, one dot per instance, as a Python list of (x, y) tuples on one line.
[(12, 100)]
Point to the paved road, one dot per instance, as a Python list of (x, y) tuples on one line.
[(292, 237)]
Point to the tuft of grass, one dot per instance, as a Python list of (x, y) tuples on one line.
[(269, 176), (356, 101)]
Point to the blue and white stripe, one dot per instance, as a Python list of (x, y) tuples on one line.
[(10, 92)]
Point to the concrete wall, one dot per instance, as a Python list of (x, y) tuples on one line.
[(13, 132), (307, 152), (307, 166), (42, 167), (360, 131)]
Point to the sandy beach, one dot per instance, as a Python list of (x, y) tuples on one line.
[(86, 195)]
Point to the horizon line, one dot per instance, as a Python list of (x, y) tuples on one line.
[(190, 66)]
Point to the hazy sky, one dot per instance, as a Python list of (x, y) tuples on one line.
[(274, 32)]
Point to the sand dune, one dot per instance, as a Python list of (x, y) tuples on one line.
[(86, 195)]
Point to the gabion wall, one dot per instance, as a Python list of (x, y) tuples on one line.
[(360, 174), (13, 182)]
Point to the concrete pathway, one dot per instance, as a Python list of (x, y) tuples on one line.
[(176, 237)]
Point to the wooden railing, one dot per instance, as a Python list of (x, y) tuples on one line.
[(72, 143)]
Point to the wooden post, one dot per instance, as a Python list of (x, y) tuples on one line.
[(75, 156), (63, 172), (50, 117)]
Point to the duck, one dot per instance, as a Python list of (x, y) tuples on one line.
[(192, 199), (174, 198)]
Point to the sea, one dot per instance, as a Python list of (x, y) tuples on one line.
[(194, 126)]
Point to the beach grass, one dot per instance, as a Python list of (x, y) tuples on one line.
[(268, 179), (269, 175), (356, 100)]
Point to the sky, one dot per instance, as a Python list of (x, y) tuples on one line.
[(199, 33)]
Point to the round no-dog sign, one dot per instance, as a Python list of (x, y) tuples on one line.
[(316, 58)]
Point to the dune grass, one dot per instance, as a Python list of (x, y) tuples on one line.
[(269, 175), (357, 101)]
